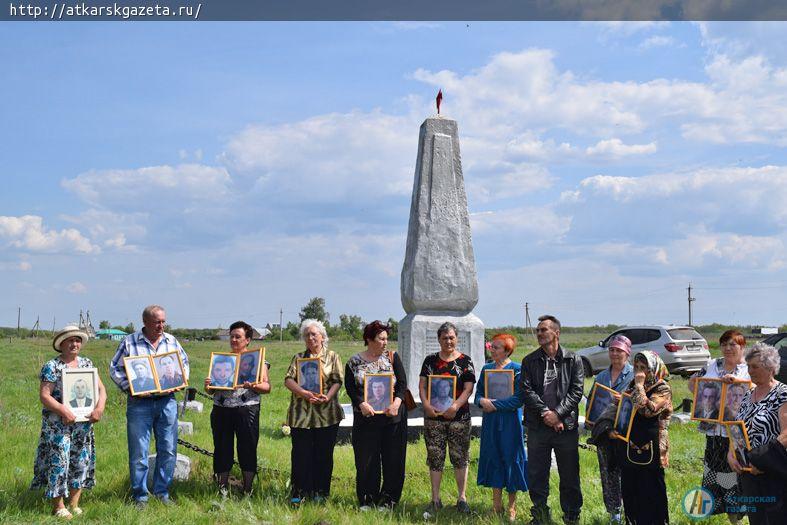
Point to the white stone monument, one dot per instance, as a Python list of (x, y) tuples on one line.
[(439, 280)]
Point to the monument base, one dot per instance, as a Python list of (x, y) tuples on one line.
[(418, 338)]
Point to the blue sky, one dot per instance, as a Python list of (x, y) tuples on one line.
[(226, 170)]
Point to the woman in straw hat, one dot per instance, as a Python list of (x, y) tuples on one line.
[(66, 458)]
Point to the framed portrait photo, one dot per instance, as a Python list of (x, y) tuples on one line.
[(250, 367), (599, 399), (440, 392), (80, 391), (222, 371), (378, 391), (169, 371), (707, 400), (731, 397), (309, 371), (739, 442), (624, 417), (498, 384), (141, 378)]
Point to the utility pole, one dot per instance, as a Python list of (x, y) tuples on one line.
[(18, 320), (36, 327), (53, 324), (281, 328), (528, 324), (691, 300)]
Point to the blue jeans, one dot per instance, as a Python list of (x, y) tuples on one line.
[(159, 414)]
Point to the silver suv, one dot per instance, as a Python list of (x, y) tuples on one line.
[(682, 348)]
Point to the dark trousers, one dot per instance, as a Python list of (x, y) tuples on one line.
[(312, 461), (227, 423), (770, 510), (644, 495), (540, 444), (374, 446)]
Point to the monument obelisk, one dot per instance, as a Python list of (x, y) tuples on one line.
[(439, 281)]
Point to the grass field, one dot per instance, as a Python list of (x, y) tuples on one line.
[(108, 502)]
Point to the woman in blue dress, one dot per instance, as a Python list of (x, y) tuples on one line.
[(502, 463)]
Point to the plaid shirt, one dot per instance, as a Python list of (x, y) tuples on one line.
[(137, 344)]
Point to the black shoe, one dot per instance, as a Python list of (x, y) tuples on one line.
[(463, 507)]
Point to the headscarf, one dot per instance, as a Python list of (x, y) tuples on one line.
[(621, 342), (657, 370)]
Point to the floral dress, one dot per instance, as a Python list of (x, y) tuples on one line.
[(66, 455)]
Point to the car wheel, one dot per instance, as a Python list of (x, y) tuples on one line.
[(586, 368)]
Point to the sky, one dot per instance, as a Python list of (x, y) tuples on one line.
[(230, 170)]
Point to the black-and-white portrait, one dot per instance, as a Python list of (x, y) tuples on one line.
[(441, 392), (140, 374), (80, 391), (309, 374), (169, 371), (378, 391), (222, 370), (498, 384), (707, 400)]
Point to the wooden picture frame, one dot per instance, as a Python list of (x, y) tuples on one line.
[(147, 384), (739, 442), (80, 391), (254, 374), (624, 417), (307, 380), (222, 377), (600, 398), (501, 385), (710, 389), (730, 405), (440, 403), (178, 379), (378, 403)]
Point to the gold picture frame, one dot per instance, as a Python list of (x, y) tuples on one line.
[(730, 406), (178, 380), (707, 400), (220, 377), (600, 398), (378, 403), (624, 417), (138, 382), (242, 376), (307, 380), (440, 403), (739, 442), (497, 386)]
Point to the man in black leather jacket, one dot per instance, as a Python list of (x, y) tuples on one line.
[(551, 384)]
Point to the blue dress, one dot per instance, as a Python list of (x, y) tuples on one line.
[(502, 462)]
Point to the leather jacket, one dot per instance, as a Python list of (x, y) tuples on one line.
[(570, 387)]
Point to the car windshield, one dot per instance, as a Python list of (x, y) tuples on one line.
[(682, 334)]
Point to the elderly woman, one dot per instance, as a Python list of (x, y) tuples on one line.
[(452, 427), (502, 463), (718, 478), (759, 411), (617, 377), (644, 457), (379, 440), (66, 458), (313, 418), (236, 415)]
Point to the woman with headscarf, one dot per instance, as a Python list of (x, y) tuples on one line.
[(644, 457), (717, 477), (617, 377), (313, 417), (66, 457), (502, 461), (379, 440)]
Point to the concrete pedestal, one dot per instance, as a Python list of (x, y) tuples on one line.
[(182, 469)]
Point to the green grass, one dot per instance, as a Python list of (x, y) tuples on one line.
[(108, 502)]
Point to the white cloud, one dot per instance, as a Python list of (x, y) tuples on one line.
[(616, 149), (76, 287), (28, 233), (658, 41), (539, 222)]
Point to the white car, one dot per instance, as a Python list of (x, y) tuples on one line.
[(682, 348)]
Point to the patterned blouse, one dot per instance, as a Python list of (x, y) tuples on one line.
[(656, 402), (461, 368), (715, 369), (238, 397), (52, 372), (762, 418), (355, 373), (301, 413)]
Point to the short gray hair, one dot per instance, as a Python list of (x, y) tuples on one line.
[(147, 313), (550, 318), (445, 327), (765, 355), (308, 323)]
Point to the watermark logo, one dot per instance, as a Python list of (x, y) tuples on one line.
[(697, 503)]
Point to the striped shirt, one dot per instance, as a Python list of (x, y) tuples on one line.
[(762, 418), (137, 344)]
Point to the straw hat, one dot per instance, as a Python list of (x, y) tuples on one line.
[(66, 332)]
